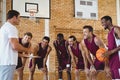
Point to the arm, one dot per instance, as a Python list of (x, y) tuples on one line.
[(35, 48), (72, 56), (69, 57), (117, 35), (16, 46), (28, 47), (57, 51), (23, 55), (87, 52), (110, 52), (84, 56), (45, 59), (117, 32), (99, 43)]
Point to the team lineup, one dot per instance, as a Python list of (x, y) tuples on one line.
[(70, 52)]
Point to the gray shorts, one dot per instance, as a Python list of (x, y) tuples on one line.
[(7, 72)]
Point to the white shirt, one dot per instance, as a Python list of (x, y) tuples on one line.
[(118, 44), (8, 56)]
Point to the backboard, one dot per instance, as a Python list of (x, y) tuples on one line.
[(41, 8)]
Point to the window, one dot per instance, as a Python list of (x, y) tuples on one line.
[(86, 9), (80, 14), (82, 3)]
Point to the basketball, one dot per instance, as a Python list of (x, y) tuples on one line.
[(99, 53)]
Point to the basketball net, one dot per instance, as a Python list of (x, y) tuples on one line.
[(32, 13)]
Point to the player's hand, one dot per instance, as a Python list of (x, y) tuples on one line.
[(92, 69), (31, 56), (106, 54)]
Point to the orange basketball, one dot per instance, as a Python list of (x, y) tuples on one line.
[(99, 53)]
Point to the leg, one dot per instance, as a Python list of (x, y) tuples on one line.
[(31, 74), (20, 73), (24, 61), (19, 69), (45, 74), (77, 74), (60, 73), (93, 75), (69, 73), (88, 77)]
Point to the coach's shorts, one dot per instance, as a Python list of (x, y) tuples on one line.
[(7, 72)]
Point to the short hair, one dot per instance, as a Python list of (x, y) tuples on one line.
[(107, 18), (74, 38), (90, 28), (12, 13), (46, 38), (28, 34), (60, 35)]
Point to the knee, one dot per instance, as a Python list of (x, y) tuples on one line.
[(22, 68), (45, 72), (68, 71), (87, 74), (92, 74), (76, 71), (32, 71)]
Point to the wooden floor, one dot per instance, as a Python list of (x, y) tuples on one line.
[(54, 76)]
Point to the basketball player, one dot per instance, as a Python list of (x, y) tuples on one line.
[(113, 46), (77, 56), (91, 43), (25, 42), (61, 47), (43, 52)]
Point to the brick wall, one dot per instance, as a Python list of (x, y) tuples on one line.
[(62, 16)]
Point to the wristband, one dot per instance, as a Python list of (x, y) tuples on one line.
[(31, 55), (68, 65), (92, 66)]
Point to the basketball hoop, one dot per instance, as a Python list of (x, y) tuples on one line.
[(32, 13)]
